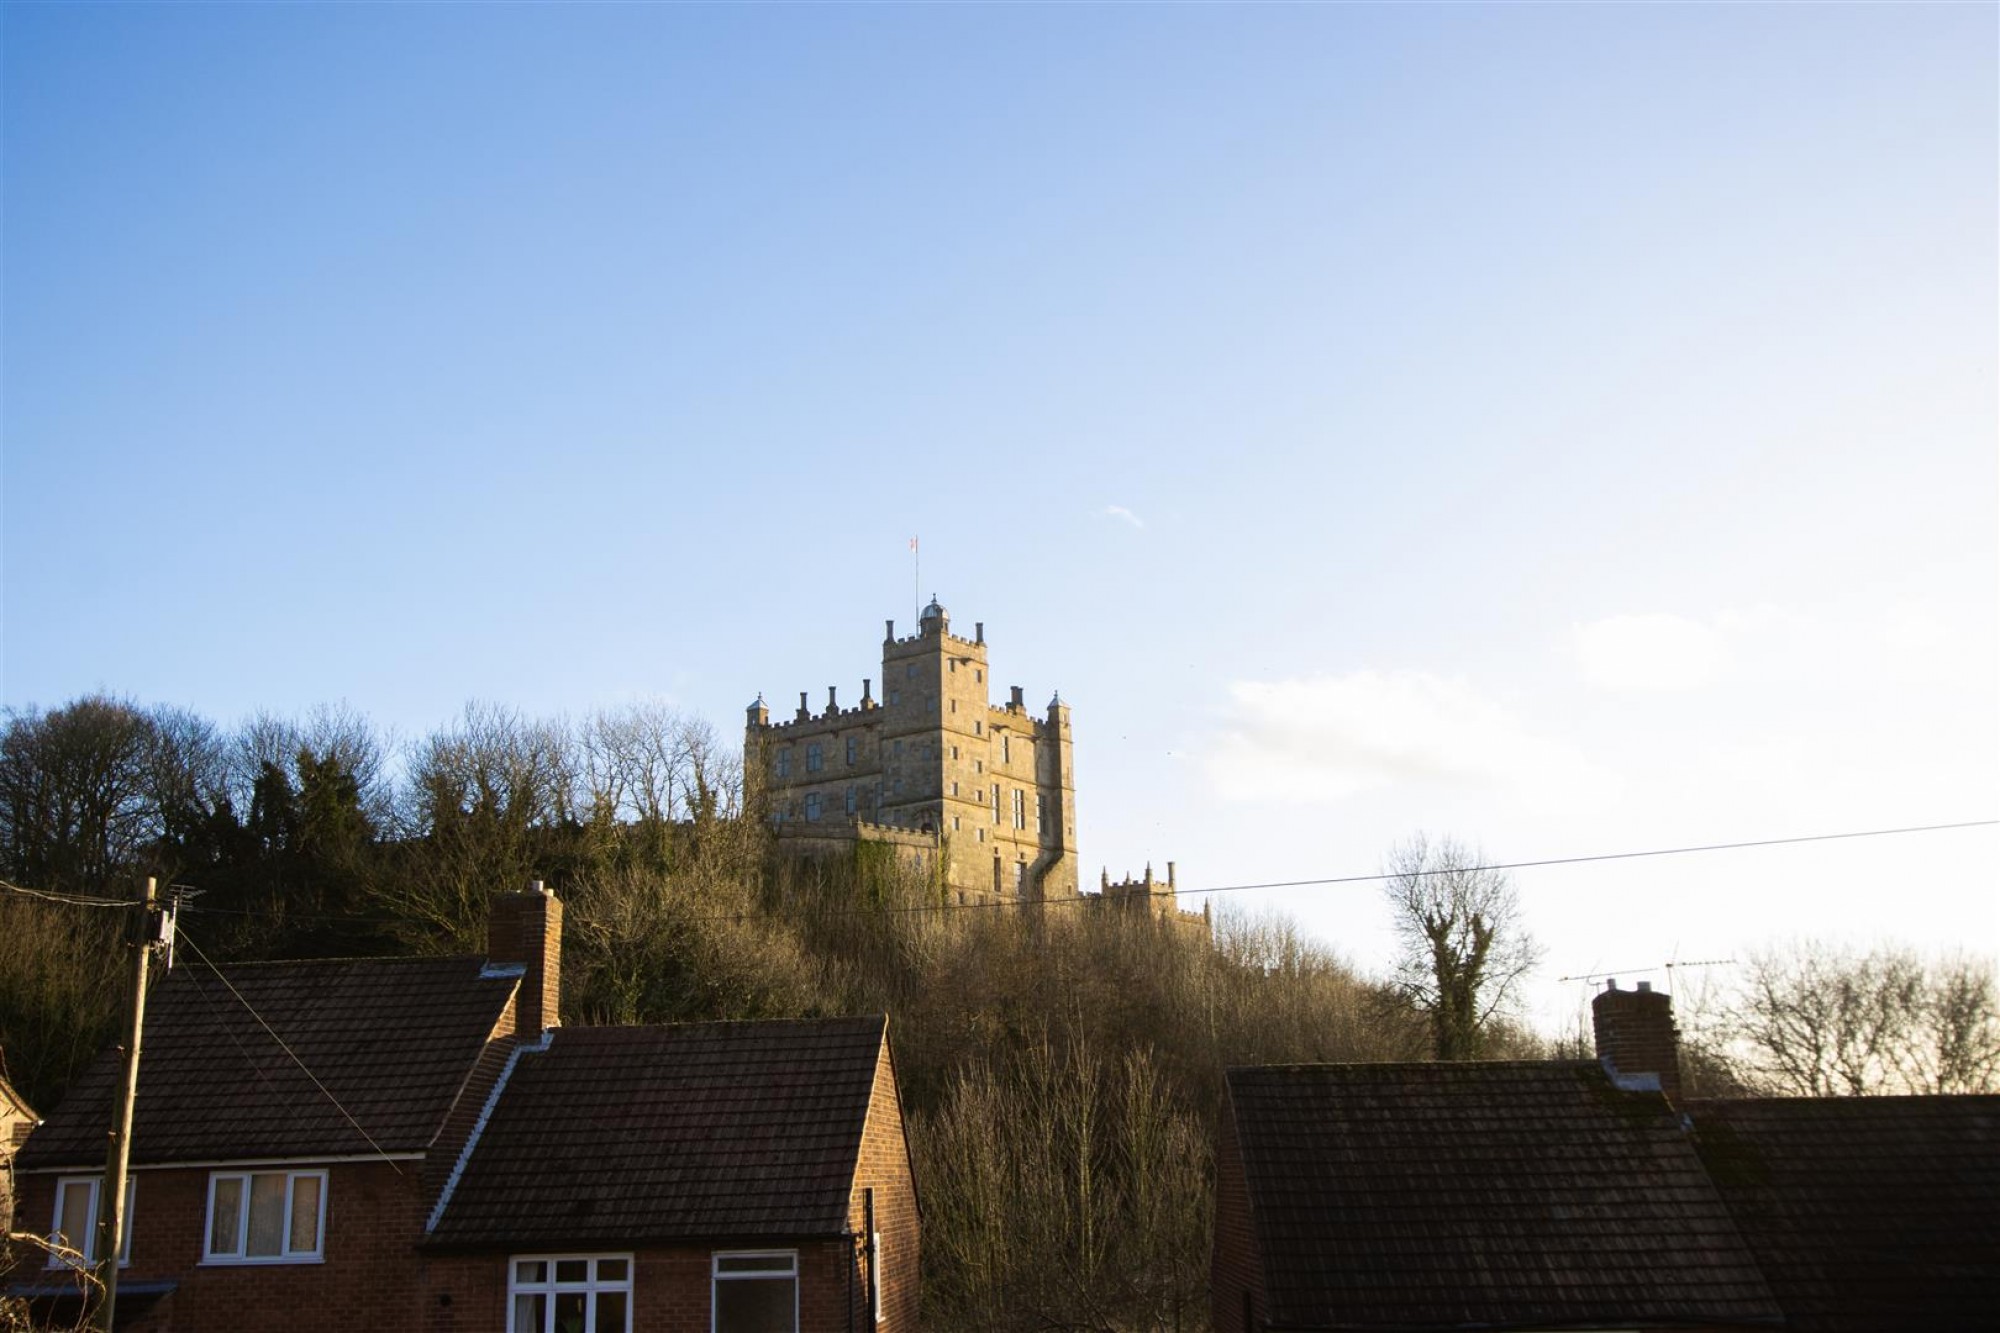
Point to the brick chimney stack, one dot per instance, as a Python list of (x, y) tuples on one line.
[(1635, 1033), (526, 929)]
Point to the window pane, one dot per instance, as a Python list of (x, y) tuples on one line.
[(572, 1270), (305, 1215), (610, 1312), (530, 1312), (267, 1214), (610, 1270), (755, 1305), (754, 1263), (530, 1270), (74, 1228), (228, 1213), (571, 1307)]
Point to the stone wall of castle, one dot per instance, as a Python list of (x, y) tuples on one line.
[(933, 755)]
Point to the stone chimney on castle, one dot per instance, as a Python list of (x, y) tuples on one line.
[(525, 930), (1635, 1033)]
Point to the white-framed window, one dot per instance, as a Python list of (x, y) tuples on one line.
[(755, 1291), (815, 758), (812, 807), (1020, 808), (75, 1224), (569, 1293), (265, 1217)]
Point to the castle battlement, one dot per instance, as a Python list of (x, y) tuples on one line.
[(999, 799)]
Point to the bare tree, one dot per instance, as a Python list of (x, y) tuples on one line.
[(76, 792), (1813, 1021), (1462, 947)]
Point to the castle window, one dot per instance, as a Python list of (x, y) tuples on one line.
[(897, 786), (979, 677), (784, 763), (996, 802), (954, 752), (853, 800), (954, 705), (1020, 876), (982, 834), (815, 758), (853, 749), (954, 789), (954, 666), (979, 765), (812, 807), (895, 696), (1006, 748), (954, 823), (978, 728), (910, 671), (1020, 808), (899, 749)]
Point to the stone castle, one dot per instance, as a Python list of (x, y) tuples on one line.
[(978, 793), (978, 796)]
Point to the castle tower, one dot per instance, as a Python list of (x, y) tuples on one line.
[(934, 764)]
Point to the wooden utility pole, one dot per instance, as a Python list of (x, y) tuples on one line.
[(111, 1219)]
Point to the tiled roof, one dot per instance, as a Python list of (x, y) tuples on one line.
[(392, 1039), (1865, 1212), (625, 1134), (1498, 1195)]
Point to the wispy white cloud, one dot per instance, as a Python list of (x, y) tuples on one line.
[(1120, 511), (1654, 652), (1324, 738)]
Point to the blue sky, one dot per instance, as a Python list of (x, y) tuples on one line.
[(1569, 427)]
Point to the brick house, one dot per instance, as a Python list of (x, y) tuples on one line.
[(16, 1119), (1578, 1194), (265, 1196)]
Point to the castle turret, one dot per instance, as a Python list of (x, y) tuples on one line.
[(935, 619)]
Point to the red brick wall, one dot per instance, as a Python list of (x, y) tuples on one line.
[(1635, 1031), (670, 1289), (1235, 1268), (526, 928), (885, 1167), (368, 1280)]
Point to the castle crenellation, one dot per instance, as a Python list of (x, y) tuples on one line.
[(982, 789)]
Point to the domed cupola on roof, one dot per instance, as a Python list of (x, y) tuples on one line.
[(935, 619)]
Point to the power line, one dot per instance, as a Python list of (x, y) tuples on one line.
[(68, 899), (1325, 881), (1603, 856), (324, 1090)]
